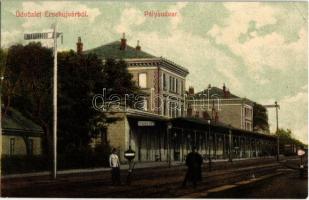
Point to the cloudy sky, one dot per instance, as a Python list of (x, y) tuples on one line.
[(259, 50)]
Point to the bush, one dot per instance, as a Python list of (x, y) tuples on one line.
[(85, 158), (73, 159), (23, 164)]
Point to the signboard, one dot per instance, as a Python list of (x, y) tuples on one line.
[(146, 123), (300, 152), (35, 36), (129, 154)]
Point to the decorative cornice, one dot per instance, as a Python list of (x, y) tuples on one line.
[(159, 62)]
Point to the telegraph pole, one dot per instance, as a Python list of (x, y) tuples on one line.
[(51, 35), (55, 79), (277, 106), (277, 130)]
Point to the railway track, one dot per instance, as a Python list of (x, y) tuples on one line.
[(171, 187), (159, 182)]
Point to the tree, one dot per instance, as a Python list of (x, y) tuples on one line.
[(80, 78), (286, 139), (3, 58), (27, 86), (260, 118)]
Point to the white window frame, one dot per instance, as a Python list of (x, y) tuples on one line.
[(142, 83)]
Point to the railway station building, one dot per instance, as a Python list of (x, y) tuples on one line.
[(221, 105), (164, 129)]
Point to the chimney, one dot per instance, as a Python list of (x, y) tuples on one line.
[(138, 48), (79, 46), (123, 42), (191, 90)]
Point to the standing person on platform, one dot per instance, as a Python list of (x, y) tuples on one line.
[(194, 162), (115, 165)]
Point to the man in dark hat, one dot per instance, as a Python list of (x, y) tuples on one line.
[(194, 173)]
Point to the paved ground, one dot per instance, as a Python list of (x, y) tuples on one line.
[(289, 185), (165, 182)]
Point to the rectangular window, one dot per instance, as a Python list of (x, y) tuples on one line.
[(170, 86), (164, 107), (164, 82), (142, 80), (12, 146), (176, 86), (170, 109), (248, 126), (182, 87)]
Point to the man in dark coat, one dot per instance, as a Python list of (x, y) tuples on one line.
[(194, 173)]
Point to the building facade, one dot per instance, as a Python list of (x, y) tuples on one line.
[(162, 80), (20, 136), (164, 129), (220, 105)]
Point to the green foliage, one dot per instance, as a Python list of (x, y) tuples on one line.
[(118, 78), (84, 157), (23, 164), (286, 137), (287, 141), (260, 118), (3, 56), (27, 85), (79, 78), (28, 88)]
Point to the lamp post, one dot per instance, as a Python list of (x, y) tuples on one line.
[(277, 106), (209, 156)]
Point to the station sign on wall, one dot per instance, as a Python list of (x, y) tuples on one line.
[(146, 123)]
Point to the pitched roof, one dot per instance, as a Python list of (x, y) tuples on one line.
[(14, 120), (112, 50)]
